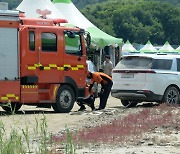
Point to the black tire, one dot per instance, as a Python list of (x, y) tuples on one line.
[(65, 99), (13, 107), (171, 96), (129, 103)]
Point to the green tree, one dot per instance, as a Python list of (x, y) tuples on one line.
[(137, 21)]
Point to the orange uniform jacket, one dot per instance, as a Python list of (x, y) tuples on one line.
[(100, 78)]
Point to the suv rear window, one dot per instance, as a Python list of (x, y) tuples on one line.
[(131, 62), (162, 64)]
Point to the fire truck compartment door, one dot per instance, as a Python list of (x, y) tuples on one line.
[(8, 53)]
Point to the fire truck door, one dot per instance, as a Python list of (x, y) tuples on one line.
[(74, 58), (50, 55)]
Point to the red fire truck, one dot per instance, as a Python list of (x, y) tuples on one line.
[(42, 63)]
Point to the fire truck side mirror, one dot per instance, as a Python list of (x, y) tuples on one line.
[(71, 34), (88, 50), (88, 40)]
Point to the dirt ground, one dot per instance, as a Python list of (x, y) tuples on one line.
[(151, 142)]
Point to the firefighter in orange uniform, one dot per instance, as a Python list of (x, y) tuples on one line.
[(106, 85)]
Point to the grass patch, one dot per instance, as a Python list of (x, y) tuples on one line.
[(39, 141), (131, 127)]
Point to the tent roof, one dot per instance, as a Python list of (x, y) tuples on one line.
[(30, 8), (178, 49), (62, 1), (127, 47), (148, 48), (75, 17), (166, 48)]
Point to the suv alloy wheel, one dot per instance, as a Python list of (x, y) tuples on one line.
[(171, 95)]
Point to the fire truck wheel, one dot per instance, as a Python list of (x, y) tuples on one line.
[(65, 99), (13, 107)]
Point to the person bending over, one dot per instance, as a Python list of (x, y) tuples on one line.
[(106, 85)]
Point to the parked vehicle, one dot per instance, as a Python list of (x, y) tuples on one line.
[(41, 62), (147, 77)]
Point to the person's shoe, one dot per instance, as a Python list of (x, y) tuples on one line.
[(82, 108), (98, 109)]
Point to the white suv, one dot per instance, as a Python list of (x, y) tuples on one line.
[(147, 77)]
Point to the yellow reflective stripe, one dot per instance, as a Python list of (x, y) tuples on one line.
[(67, 65), (37, 65), (34, 66), (74, 68), (54, 95), (10, 95), (4, 98), (31, 68), (60, 68), (80, 66), (47, 68), (30, 86), (53, 65)]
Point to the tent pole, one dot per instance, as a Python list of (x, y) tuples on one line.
[(113, 55), (120, 52), (100, 61)]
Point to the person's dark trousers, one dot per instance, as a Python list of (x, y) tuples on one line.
[(104, 95), (89, 101)]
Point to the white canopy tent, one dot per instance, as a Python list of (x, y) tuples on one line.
[(32, 8), (166, 48), (148, 48), (127, 48)]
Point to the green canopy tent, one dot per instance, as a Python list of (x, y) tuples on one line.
[(99, 38), (178, 49), (148, 48), (167, 48)]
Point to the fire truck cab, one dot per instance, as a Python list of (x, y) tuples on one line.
[(41, 63)]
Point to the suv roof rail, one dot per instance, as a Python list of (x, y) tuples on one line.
[(161, 53), (172, 53)]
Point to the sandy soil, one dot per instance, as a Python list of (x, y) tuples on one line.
[(152, 142)]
